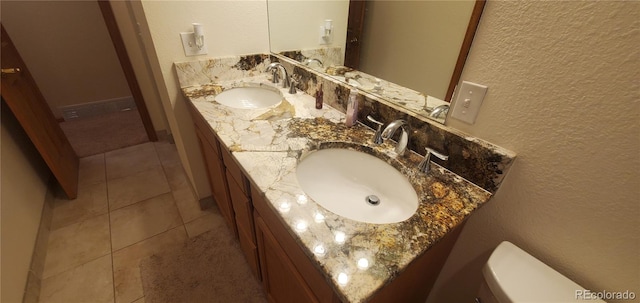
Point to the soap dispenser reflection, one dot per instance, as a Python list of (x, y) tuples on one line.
[(319, 96), (352, 108)]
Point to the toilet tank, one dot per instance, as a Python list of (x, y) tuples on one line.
[(513, 276)]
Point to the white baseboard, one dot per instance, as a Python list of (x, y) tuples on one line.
[(96, 108)]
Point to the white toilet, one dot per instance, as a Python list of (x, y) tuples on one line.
[(513, 276)]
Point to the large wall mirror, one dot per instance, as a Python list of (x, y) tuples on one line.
[(407, 52)]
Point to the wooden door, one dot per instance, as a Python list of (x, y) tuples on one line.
[(354, 33), (27, 103)]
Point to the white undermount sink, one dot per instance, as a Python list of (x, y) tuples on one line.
[(249, 97), (349, 183)]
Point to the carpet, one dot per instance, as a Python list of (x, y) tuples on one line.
[(208, 268), (96, 135)]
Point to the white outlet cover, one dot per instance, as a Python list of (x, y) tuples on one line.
[(189, 45), (468, 101)]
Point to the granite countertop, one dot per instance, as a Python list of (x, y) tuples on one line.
[(268, 144)]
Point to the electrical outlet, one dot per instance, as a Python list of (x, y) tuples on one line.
[(189, 45), (468, 101)]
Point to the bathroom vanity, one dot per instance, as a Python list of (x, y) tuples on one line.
[(299, 250)]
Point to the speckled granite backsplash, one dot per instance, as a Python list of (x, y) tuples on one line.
[(476, 160), (220, 69), (328, 55)]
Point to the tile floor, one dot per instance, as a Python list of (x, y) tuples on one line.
[(132, 203)]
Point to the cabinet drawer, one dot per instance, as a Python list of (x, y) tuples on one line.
[(250, 251), (235, 171), (241, 206)]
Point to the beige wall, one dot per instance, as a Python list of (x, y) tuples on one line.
[(296, 24), (563, 94), (23, 189), (67, 48), (128, 26), (414, 43), (231, 28)]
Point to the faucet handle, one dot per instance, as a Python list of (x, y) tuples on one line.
[(275, 78), (273, 68), (424, 165), (294, 81), (437, 154), (374, 120), (377, 138)]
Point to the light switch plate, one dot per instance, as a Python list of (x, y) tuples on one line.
[(468, 101), (189, 45)]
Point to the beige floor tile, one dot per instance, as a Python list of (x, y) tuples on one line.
[(176, 176), (130, 149), (77, 244), (128, 161), (140, 186), (203, 223), (142, 220), (90, 282), (167, 153), (182, 191), (126, 262), (91, 202), (187, 204), (91, 170)]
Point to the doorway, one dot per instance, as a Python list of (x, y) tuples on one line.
[(80, 64)]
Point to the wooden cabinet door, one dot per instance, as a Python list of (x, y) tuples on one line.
[(217, 180), (244, 221), (280, 279)]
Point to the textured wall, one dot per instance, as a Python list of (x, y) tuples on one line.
[(563, 94), (231, 28), (68, 50)]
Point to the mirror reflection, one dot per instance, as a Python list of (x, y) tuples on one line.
[(408, 52)]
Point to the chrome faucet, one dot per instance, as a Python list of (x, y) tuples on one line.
[(311, 60), (439, 110), (352, 75), (388, 132), (274, 68), (424, 165)]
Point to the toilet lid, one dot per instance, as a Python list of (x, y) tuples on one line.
[(514, 276)]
